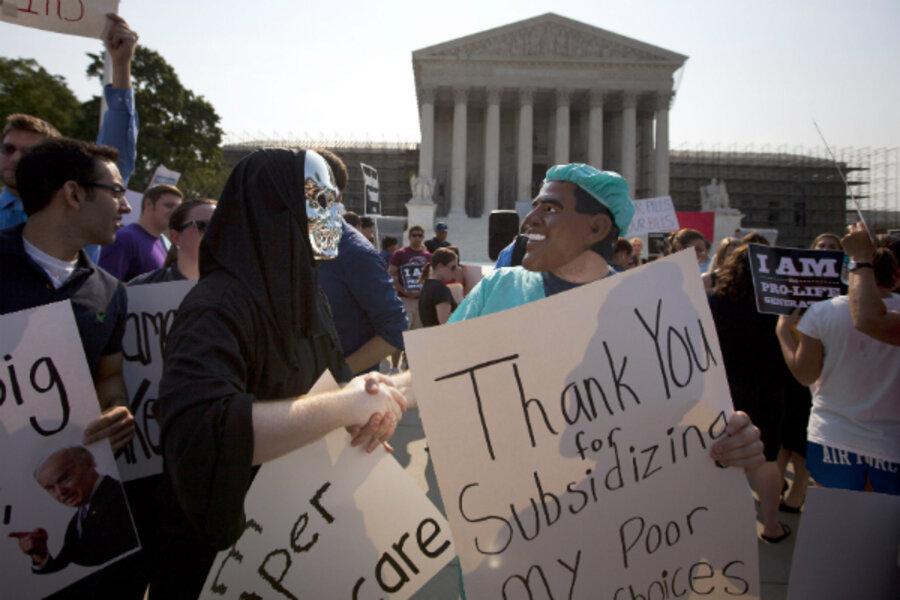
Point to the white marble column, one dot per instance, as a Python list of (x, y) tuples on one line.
[(661, 173), (524, 155), (561, 146), (458, 156), (426, 126), (595, 129), (629, 139), (647, 157), (492, 151)]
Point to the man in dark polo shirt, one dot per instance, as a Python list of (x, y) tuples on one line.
[(73, 195)]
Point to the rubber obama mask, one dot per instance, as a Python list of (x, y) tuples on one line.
[(323, 219)]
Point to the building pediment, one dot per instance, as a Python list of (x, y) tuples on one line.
[(551, 38)]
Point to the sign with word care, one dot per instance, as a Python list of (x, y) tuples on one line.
[(333, 521), (47, 398), (74, 17), (151, 312), (571, 440)]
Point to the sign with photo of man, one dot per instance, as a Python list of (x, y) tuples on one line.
[(65, 513)]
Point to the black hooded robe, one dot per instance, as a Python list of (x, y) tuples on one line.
[(256, 327)]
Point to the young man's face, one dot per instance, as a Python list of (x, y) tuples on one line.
[(416, 239), (160, 212), (69, 482), (101, 212), (557, 234), (14, 143)]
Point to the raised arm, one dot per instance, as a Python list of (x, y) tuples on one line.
[(120, 124), (870, 315)]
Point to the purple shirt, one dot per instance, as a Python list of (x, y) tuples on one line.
[(410, 263), (133, 253)]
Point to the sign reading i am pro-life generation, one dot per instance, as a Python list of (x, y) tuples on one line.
[(571, 440), (64, 511), (785, 279), (74, 17), (151, 312), (333, 521)]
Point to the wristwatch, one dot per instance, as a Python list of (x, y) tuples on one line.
[(855, 266)]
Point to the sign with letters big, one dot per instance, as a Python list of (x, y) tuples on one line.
[(47, 398), (74, 17), (151, 312), (571, 441)]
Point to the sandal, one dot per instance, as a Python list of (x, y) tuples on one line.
[(787, 508), (774, 540)]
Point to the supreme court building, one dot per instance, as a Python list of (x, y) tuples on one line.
[(497, 108)]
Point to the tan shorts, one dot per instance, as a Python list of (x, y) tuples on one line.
[(412, 312)]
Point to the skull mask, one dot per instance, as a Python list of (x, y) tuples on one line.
[(321, 193)]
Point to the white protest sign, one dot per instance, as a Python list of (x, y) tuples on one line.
[(332, 521), (74, 17), (47, 398), (164, 175), (571, 441), (151, 312), (371, 204), (841, 557), (653, 215)]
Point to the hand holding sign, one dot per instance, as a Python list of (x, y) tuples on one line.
[(116, 423), (741, 446), (120, 41)]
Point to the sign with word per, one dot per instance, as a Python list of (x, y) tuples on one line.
[(571, 440), (785, 279), (74, 17), (151, 312), (332, 521), (653, 214), (64, 511)]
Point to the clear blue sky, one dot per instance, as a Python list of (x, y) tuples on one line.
[(758, 73)]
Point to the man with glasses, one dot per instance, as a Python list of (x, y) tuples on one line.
[(405, 267), (138, 248), (119, 128), (74, 196)]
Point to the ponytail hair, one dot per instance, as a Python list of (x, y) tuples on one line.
[(440, 258)]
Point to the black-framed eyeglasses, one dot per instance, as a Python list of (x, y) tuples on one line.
[(412, 235), (200, 224), (117, 190)]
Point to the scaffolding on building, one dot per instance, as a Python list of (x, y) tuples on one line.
[(872, 173)]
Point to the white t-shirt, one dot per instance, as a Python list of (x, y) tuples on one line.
[(58, 270), (856, 405)]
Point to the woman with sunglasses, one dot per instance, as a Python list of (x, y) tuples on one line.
[(436, 302), (187, 224)]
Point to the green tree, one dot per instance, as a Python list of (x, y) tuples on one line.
[(26, 87), (177, 128)]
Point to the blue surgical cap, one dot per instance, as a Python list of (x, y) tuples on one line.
[(609, 188)]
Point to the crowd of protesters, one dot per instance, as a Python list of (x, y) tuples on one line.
[(288, 288)]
